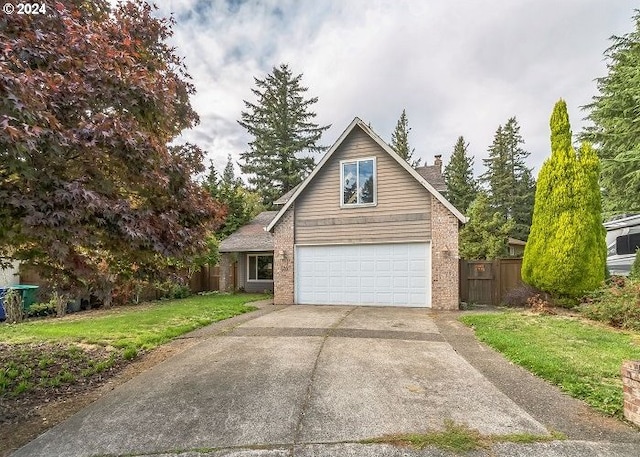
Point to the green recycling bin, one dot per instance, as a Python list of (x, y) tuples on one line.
[(28, 293)]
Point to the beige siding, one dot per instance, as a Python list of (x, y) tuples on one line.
[(402, 213)]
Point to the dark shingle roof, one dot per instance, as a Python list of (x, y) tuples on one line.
[(285, 198), (251, 237), (433, 175)]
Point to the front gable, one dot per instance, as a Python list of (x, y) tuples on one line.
[(391, 206), (398, 210)]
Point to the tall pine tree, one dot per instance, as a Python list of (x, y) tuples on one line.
[(566, 251), (486, 234), (400, 140), (282, 127), (616, 124), (241, 205), (510, 182), (458, 174), (229, 174)]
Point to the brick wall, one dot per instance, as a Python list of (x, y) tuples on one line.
[(444, 257), (283, 240), (631, 385)]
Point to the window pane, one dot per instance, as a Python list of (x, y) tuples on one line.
[(252, 267), (349, 183), (265, 267), (365, 181), (622, 245)]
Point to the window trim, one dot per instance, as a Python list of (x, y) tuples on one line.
[(375, 183), (264, 254)]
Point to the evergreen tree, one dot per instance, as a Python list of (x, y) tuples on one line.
[(241, 205), (229, 175), (458, 174), (566, 251), (486, 235), (400, 140), (282, 127), (211, 181), (616, 124), (510, 182), (523, 201)]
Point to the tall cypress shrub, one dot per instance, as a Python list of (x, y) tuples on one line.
[(566, 251)]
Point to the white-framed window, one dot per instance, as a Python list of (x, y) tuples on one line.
[(260, 267), (358, 182)]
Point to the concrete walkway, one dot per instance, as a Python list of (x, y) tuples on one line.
[(317, 380)]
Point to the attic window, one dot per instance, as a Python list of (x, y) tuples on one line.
[(358, 178)]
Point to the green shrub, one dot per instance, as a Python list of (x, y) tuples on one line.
[(42, 309), (175, 290), (566, 251), (617, 304)]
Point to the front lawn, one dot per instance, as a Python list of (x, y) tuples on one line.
[(49, 355), (142, 327), (583, 359)]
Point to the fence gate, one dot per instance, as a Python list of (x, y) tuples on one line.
[(486, 282)]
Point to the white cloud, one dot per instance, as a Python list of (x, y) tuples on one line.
[(459, 67)]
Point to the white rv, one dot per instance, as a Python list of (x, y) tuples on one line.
[(623, 239)]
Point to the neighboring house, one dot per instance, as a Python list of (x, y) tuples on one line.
[(10, 276), (363, 229), (516, 247), (433, 174)]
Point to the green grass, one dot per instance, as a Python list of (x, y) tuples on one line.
[(44, 355), (583, 359), (140, 327), (460, 438)]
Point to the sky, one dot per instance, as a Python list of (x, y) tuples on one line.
[(458, 67)]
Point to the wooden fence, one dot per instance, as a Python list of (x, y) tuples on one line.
[(203, 280), (206, 279), (488, 281)]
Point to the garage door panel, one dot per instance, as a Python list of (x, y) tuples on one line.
[(382, 274), (400, 282)]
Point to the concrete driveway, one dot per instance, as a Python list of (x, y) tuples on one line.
[(317, 380)]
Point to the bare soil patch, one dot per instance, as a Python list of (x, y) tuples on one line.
[(23, 417)]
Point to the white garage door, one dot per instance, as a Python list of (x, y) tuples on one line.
[(367, 274)]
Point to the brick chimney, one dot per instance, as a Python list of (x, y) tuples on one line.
[(438, 162)]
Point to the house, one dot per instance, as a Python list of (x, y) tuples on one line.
[(10, 276), (433, 174), (364, 228), (516, 247)]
